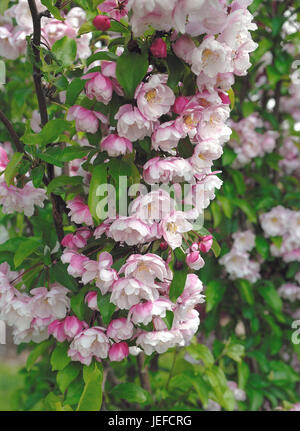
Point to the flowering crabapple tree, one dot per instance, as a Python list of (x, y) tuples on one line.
[(114, 115), (252, 291)]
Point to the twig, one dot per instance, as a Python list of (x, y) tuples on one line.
[(37, 77), (143, 372), (12, 132)]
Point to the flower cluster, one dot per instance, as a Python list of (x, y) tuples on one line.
[(251, 140), (30, 314), (284, 223), (171, 134), (237, 262), (13, 37)]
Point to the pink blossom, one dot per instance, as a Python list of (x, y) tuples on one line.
[(159, 341), (79, 211), (195, 261), (91, 300), (77, 240), (154, 98), (144, 311), (211, 57), (130, 230), (116, 145), (91, 342), (116, 10), (166, 137), (118, 351), (132, 124), (120, 329), (152, 206), (52, 303), (170, 169), (85, 120), (183, 48), (3, 159), (146, 268), (73, 326), (127, 292), (173, 227), (76, 262), (100, 272), (57, 330), (98, 87)]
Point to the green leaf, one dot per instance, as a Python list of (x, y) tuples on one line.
[(214, 293), (63, 181), (12, 168), (52, 130), (271, 296), (37, 352), (262, 246), (77, 303), (243, 374), (201, 352), (217, 213), (59, 358), (239, 181), (74, 89), (128, 76), (246, 291), (91, 397), (176, 70), (179, 276), (59, 273), (99, 177), (66, 376), (235, 352), (37, 175), (25, 249), (247, 209), (65, 50), (106, 308), (277, 240), (228, 156), (53, 9), (105, 55), (227, 206), (169, 319), (131, 393)]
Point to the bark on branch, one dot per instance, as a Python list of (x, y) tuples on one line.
[(57, 208), (12, 132)]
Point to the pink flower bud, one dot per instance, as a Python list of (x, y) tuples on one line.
[(73, 326), (91, 300), (194, 246), (194, 260), (180, 104), (56, 329), (115, 145), (118, 351), (159, 48), (225, 98), (206, 244), (98, 87), (101, 22)]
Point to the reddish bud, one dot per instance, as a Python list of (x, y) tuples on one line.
[(101, 22), (163, 245), (159, 48)]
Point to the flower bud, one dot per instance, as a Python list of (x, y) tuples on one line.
[(180, 104), (195, 261), (206, 243), (101, 22), (118, 352), (159, 48)]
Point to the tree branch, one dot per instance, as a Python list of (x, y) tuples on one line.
[(37, 77), (143, 372), (12, 132)]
